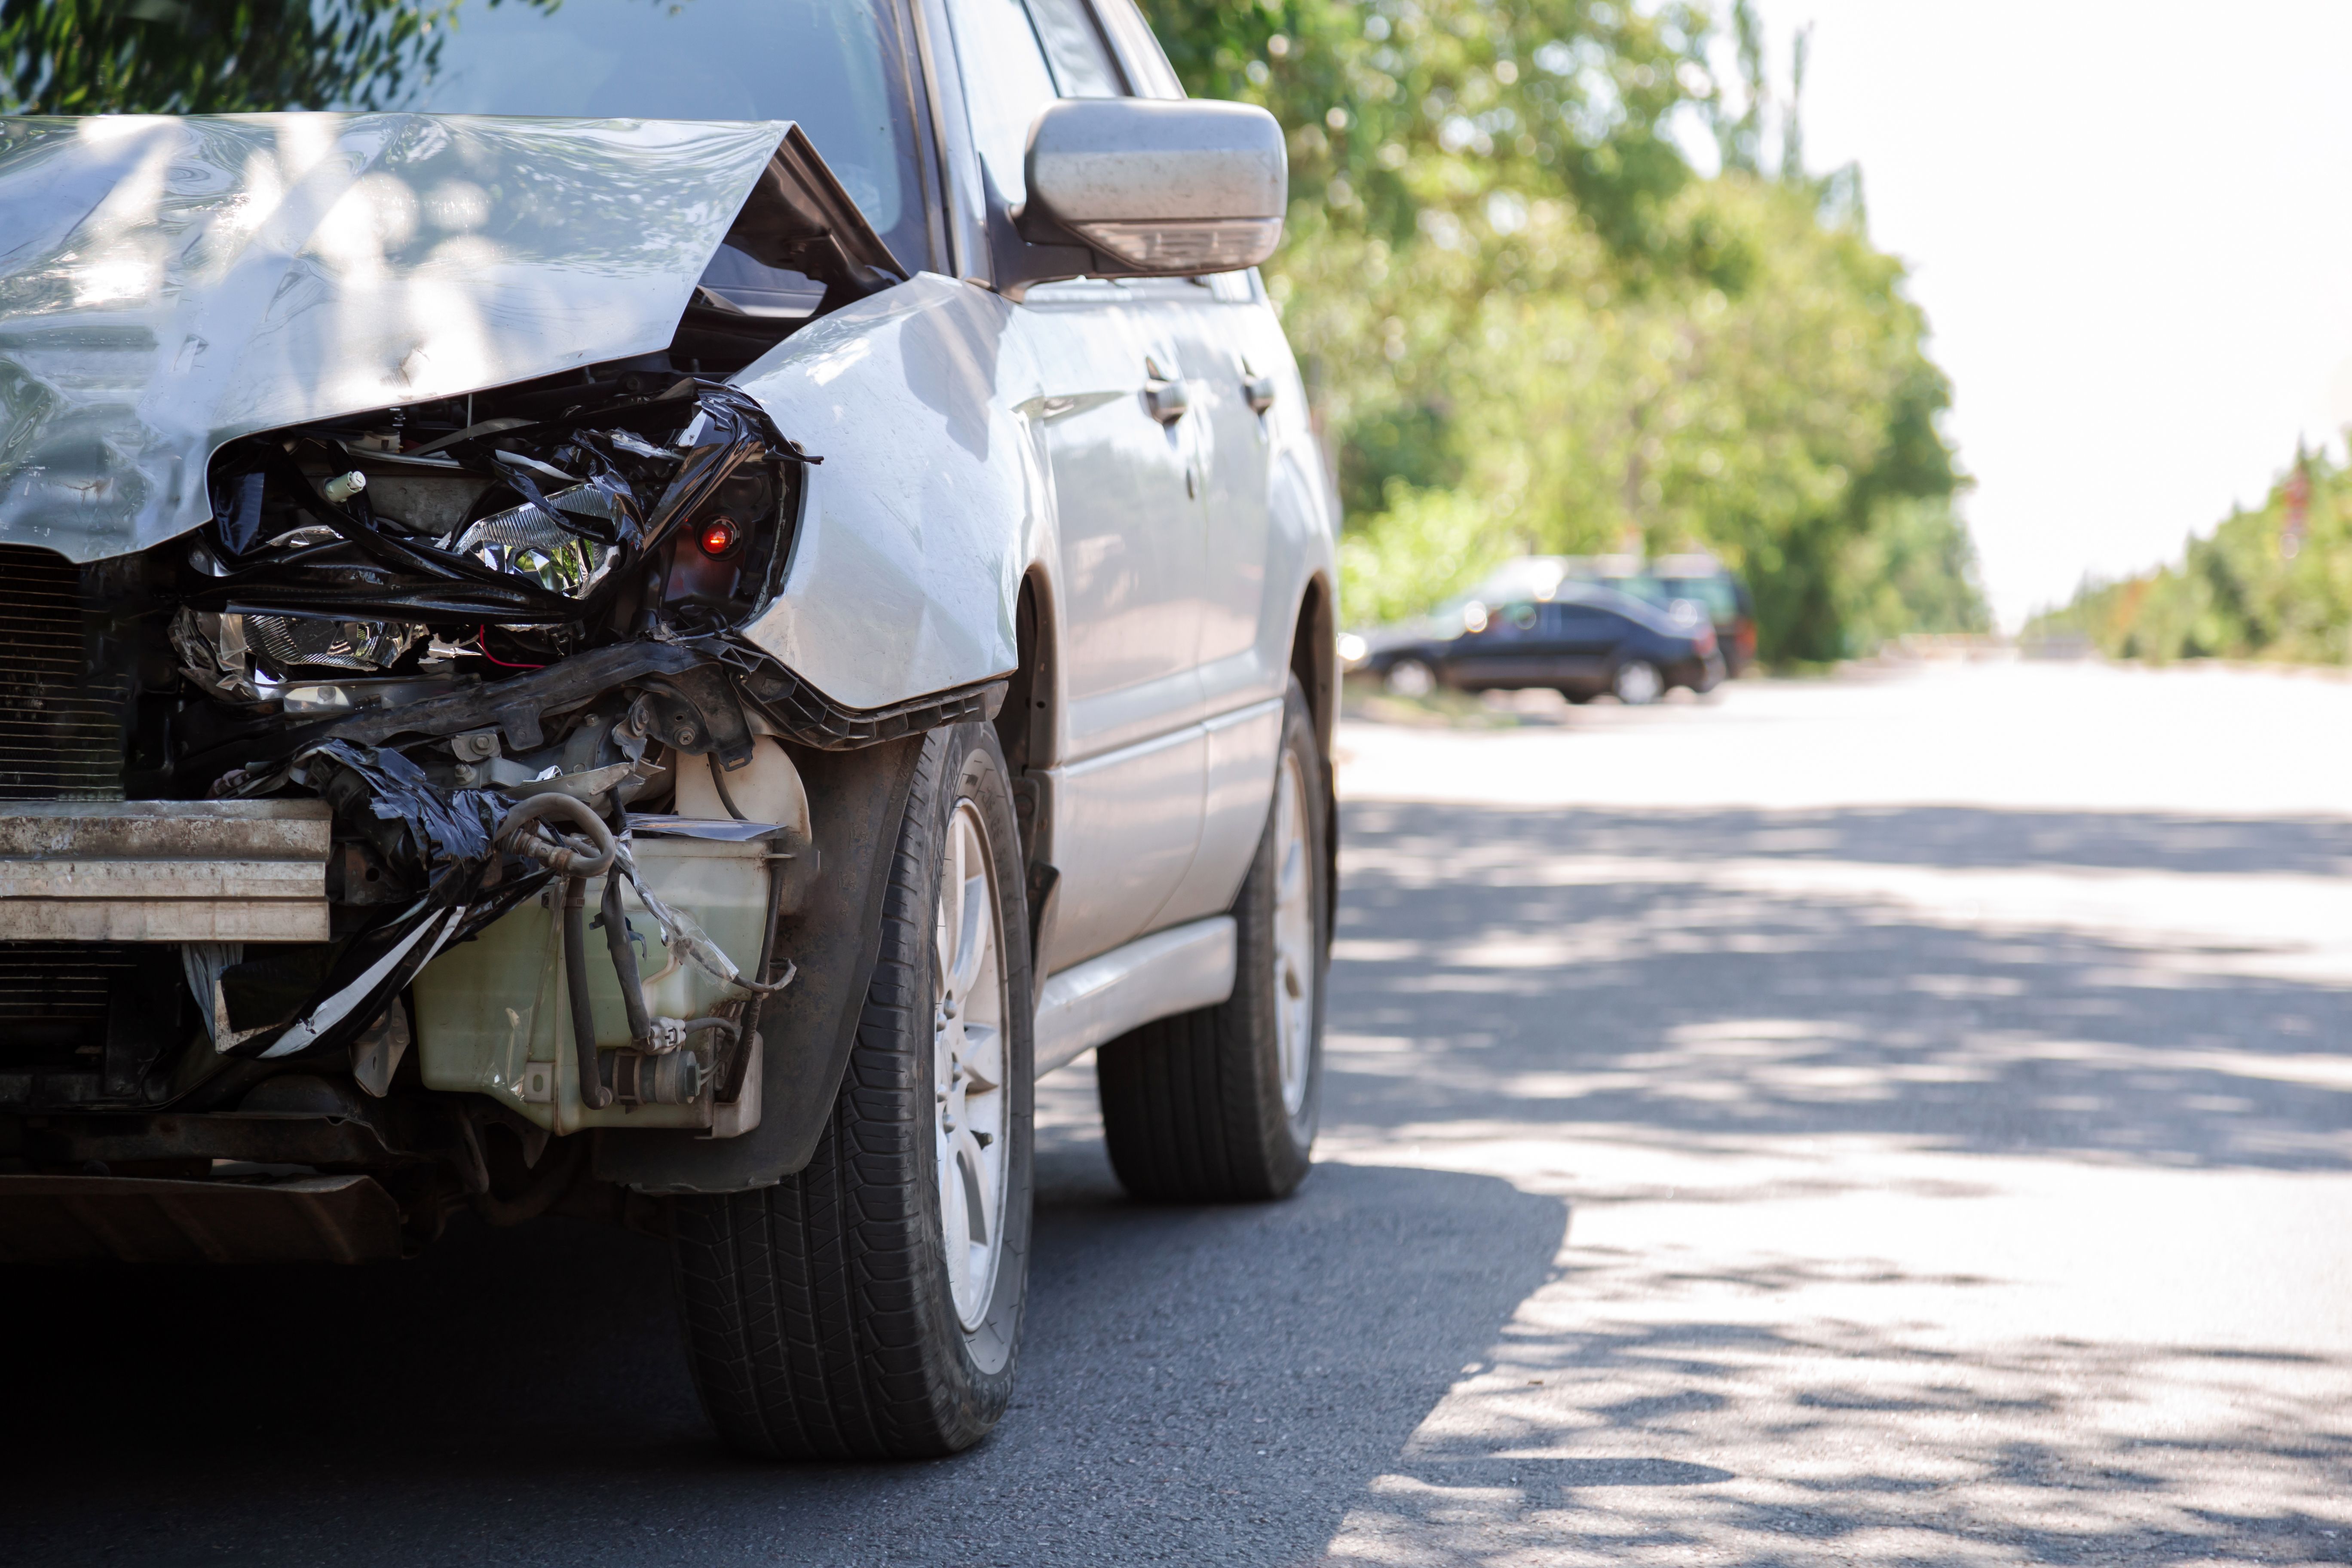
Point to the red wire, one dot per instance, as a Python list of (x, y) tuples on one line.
[(481, 641)]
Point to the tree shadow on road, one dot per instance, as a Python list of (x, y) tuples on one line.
[(1199, 1384), (1502, 983), (1699, 1011), (1946, 836)]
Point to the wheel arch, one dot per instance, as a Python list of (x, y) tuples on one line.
[(1315, 660)]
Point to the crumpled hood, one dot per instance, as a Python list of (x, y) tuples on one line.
[(168, 284)]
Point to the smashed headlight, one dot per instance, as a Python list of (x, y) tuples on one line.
[(500, 544)]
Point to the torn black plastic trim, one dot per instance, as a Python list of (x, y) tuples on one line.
[(808, 716), (798, 216)]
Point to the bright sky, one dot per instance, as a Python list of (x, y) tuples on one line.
[(2131, 228)]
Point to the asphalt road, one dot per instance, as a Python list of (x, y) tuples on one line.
[(1901, 1121)]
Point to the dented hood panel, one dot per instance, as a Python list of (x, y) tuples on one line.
[(168, 284)]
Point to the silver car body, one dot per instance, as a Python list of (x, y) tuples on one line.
[(170, 284)]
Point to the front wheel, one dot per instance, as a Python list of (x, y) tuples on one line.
[(870, 1305), (1220, 1105)]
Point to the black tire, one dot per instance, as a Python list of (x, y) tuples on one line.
[(819, 1313), (1193, 1106)]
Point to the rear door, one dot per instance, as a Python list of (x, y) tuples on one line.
[(1585, 642)]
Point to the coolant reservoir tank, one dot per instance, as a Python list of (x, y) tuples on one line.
[(766, 789)]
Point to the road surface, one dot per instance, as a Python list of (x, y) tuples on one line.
[(1901, 1120)]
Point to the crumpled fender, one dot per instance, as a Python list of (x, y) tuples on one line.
[(912, 538), (168, 284)]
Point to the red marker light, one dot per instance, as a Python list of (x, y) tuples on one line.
[(720, 537)]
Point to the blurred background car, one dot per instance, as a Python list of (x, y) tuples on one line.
[(1694, 576), (1577, 637)]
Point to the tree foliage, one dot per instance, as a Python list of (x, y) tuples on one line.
[(1530, 325), (2253, 589), (210, 57)]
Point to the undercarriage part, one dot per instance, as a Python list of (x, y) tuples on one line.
[(60, 1219), (516, 1196), (376, 1054)]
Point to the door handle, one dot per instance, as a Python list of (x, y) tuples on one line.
[(1166, 399), (1257, 391)]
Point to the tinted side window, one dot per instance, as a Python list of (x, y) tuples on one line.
[(1005, 83), (1081, 61), (1154, 77)]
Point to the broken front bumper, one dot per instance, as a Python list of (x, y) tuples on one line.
[(164, 870)]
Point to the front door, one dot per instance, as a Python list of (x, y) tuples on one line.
[(1124, 466)]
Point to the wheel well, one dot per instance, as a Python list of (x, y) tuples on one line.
[(1024, 729), (1025, 725), (1314, 659), (1314, 650)]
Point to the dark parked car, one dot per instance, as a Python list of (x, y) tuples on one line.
[(1582, 640), (1704, 580)]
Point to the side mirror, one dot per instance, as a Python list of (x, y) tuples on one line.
[(1150, 188)]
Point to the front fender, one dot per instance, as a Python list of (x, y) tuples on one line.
[(907, 558)]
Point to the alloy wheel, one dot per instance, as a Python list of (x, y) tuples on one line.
[(968, 1070)]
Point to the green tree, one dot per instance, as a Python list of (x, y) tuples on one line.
[(210, 57), (2253, 588), (1529, 325)]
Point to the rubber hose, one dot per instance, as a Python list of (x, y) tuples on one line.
[(561, 859), (594, 1092), (718, 783), (624, 962)]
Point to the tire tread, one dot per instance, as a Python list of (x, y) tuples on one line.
[(802, 1302)]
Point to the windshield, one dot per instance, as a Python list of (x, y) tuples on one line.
[(835, 66), (1715, 593)]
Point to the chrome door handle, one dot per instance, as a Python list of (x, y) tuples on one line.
[(1257, 391), (1166, 399)]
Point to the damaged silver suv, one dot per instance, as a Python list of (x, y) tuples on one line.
[(647, 616)]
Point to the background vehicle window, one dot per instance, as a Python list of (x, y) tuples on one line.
[(1081, 60), (1005, 83)]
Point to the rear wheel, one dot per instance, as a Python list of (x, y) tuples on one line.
[(870, 1305), (1637, 683), (1410, 678), (1219, 1104)]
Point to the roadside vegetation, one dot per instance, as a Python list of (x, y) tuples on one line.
[(1527, 322), (1530, 324), (2271, 584)]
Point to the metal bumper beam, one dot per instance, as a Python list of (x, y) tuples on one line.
[(163, 871)]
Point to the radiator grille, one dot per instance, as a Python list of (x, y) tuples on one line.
[(53, 998), (60, 723)]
